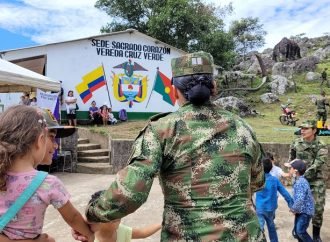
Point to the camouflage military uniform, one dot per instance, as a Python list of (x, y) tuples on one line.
[(315, 154), (208, 162), (209, 165), (321, 109)]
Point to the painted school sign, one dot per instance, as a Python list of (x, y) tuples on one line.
[(125, 69)]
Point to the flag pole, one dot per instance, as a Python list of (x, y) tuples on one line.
[(106, 83), (152, 90)]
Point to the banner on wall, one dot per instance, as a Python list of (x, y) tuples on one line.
[(46, 100)]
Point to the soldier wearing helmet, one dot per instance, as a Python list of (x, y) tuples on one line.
[(207, 159), (309, 148)]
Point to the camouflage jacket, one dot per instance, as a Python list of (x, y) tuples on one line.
[(314, 153), (209, 163), (321, 103)]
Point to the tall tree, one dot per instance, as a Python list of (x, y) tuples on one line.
[(248, 34), (189, 25)]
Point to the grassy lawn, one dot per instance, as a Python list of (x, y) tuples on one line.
[(123, 130), (267, 125)]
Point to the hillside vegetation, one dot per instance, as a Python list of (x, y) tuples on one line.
[(267, 125)]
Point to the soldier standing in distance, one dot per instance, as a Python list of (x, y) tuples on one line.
[(208, 161), (324, 77), (321, 104), (310, 149)]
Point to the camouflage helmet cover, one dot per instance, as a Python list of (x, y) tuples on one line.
[(194, 63), (308, 124)]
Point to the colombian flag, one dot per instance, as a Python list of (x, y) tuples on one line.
[(164, 87), (91, 82), (84, 93)]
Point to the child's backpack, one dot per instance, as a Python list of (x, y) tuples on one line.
[(122, 115)]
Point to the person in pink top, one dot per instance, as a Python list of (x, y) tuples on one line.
[(105, 114), (27, 138)]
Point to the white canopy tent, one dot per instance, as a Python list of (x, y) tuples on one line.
[(14, 78)]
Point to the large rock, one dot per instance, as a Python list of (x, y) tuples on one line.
[(269, 98), (251, 65), (306, 64), (235, 105), (286, 50), (280, 84), (284, 69), (313, 76), (323, 53), (289, 68)]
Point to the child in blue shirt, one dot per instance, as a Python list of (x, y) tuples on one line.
[(303, 202), (266, 200)]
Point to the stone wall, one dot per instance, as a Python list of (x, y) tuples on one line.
[(120, 152), (70, 144)]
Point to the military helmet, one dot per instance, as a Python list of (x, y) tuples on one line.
[(308, 124), (50, 120), (195, 63)]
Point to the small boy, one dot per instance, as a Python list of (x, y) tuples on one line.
[(266, 200), (114, 231), (112, 119), (276, 170), (303, 202)]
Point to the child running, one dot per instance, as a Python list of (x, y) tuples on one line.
[(25, 141), (303, 202), (266, 200), (115, 231)]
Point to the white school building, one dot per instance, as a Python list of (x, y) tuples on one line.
[(125, 70)]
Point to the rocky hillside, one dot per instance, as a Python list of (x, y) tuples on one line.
[(238, 87)]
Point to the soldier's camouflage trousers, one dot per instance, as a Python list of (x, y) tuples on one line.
[(321, 116), (318, 190)]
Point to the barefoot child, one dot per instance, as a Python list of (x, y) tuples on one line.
[(25, 141), (115, 231)]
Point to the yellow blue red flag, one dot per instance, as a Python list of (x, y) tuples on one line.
[(91, 82)]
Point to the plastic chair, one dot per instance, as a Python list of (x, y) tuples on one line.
[(67, 156)]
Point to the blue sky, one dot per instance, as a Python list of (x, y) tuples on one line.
[(26, 23)]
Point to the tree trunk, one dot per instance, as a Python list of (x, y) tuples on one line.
[(262, 65)]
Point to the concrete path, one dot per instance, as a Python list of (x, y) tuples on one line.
[(81, 186)]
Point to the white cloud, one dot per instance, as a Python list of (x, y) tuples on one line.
[(60, 4), (53, 21), (285, 18), (47, 21)]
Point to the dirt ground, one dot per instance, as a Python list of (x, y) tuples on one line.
[(81, 186)]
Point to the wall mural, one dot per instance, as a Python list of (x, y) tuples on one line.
[(127, 86)]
